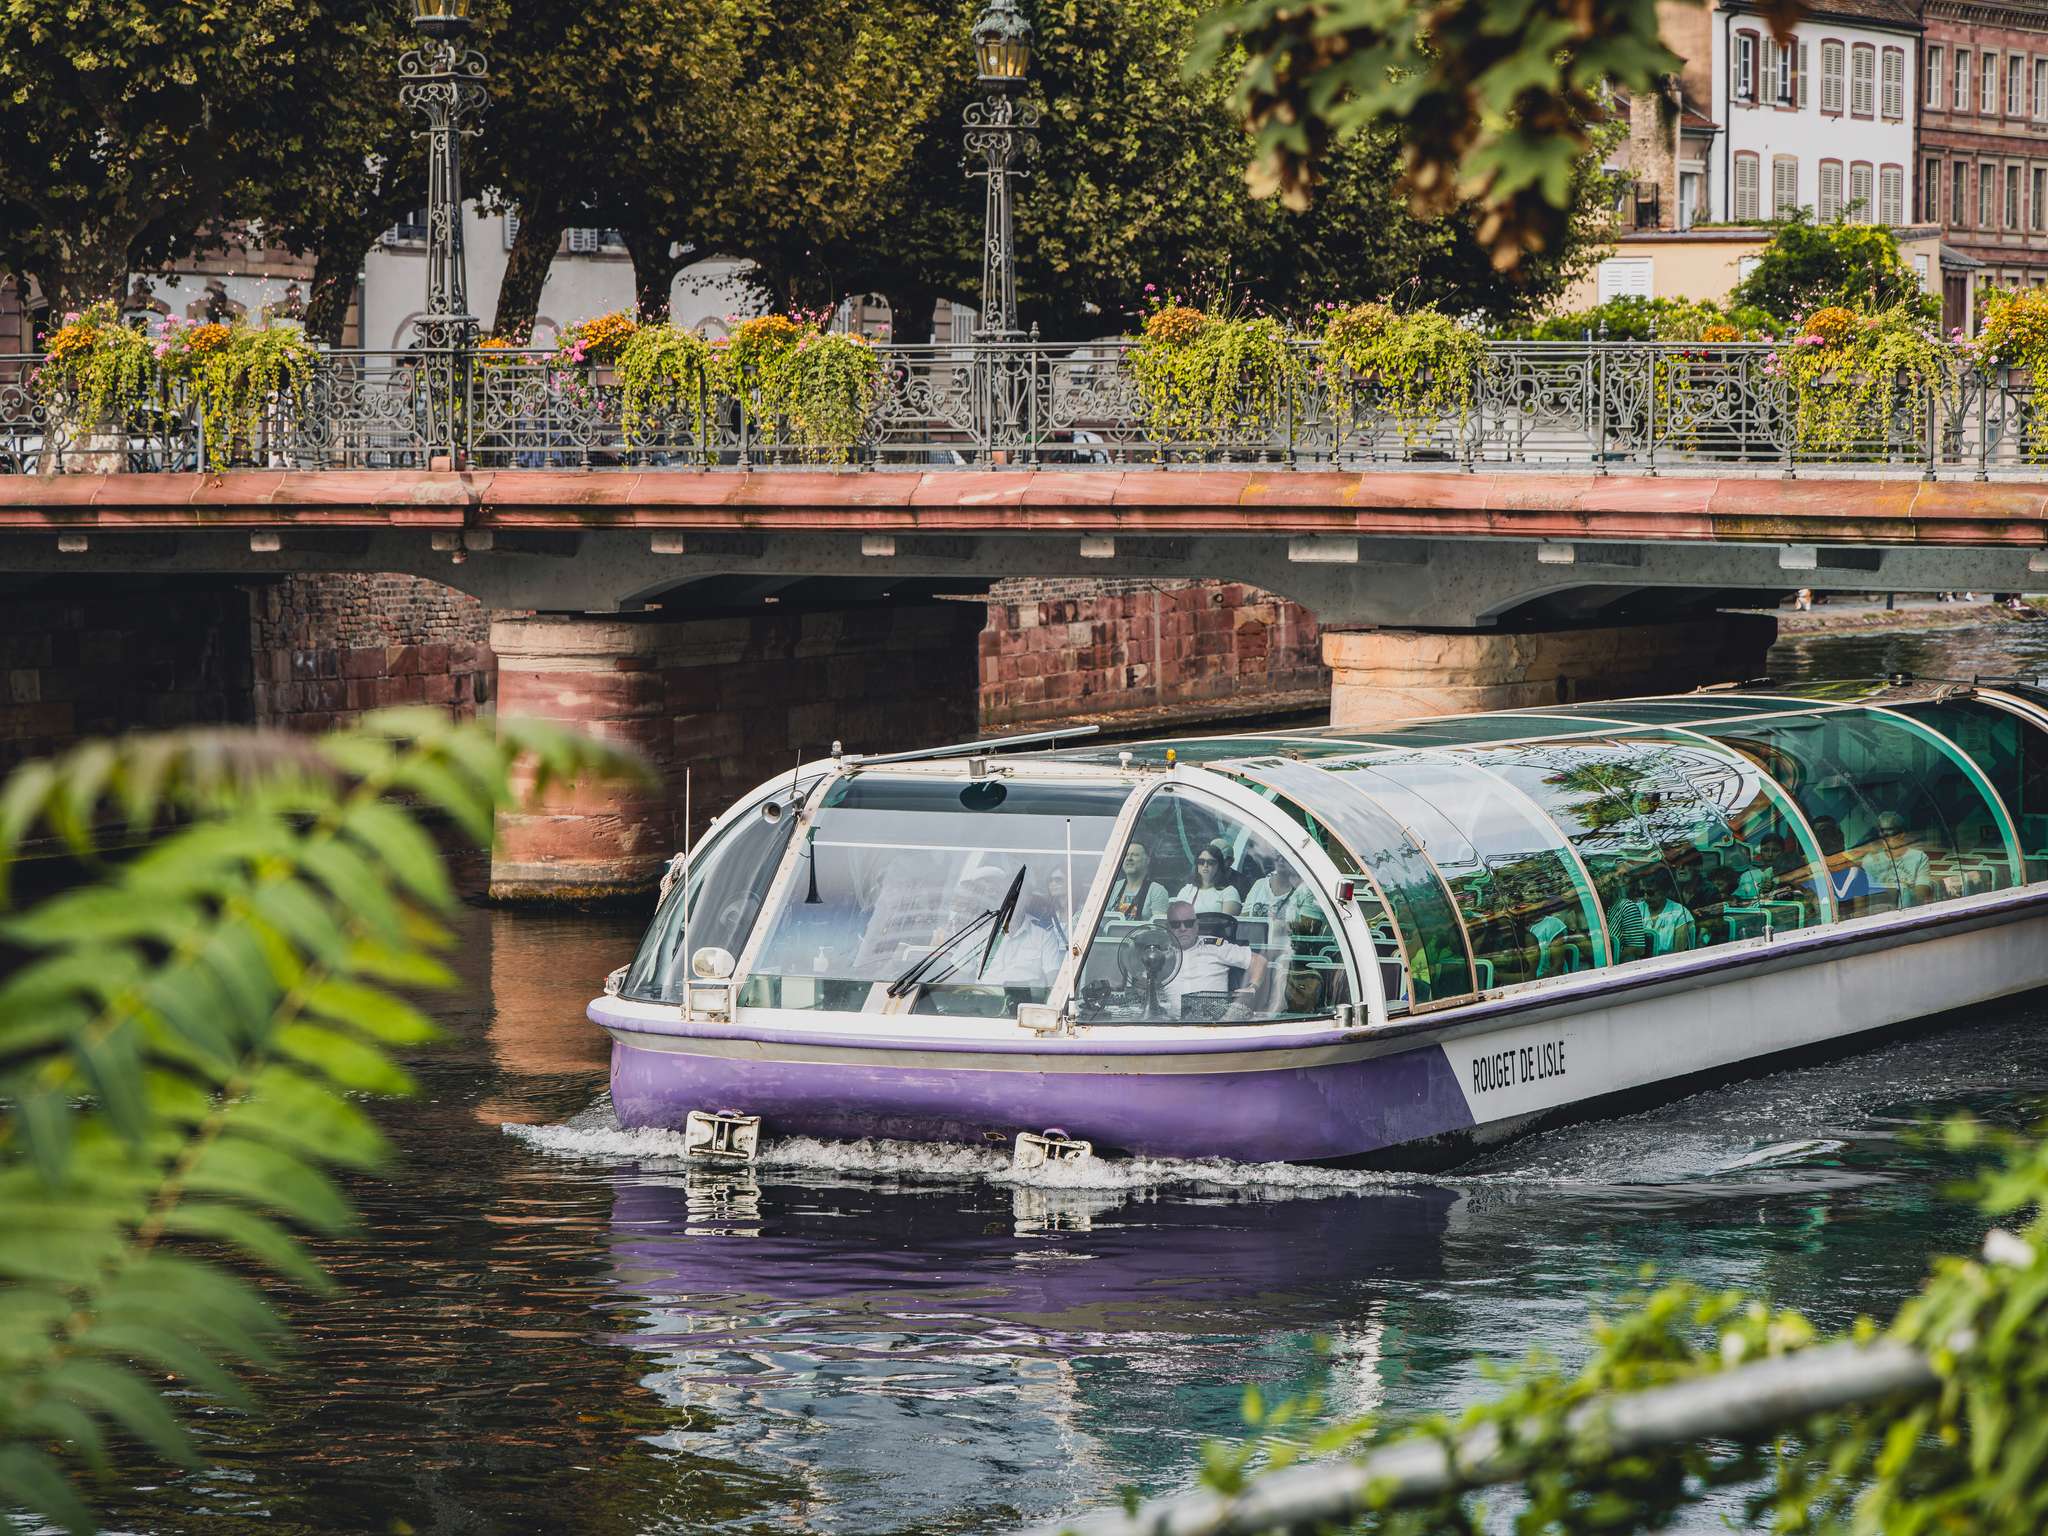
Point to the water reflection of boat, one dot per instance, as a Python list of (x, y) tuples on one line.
[(1337, 945), (908, 1358), (1089, 1260)]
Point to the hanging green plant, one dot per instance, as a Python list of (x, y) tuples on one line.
[(233, 374), (1862, 385), (663, 371), (801, 384), (2015, 336), (98, 371), (1206, 378), (1421, 369)]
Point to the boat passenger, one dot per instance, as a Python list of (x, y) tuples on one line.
[(1898, 872), (1211, 890), (1630, 921), (1554, 955), (1137, 897), (1031, 953), (1206, 963), (1757, 873), (1672, 929), (1852, 887), (1282, 900), (1724, 891)]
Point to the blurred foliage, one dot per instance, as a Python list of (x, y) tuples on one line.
[(1971, 1456), (1857, 266), (1495, 102), (184, 1046), (1638, 319)]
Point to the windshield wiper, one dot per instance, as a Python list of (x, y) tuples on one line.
[(1002, 917), (999, 914)]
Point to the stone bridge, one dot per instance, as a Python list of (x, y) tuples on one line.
[(664, 605)]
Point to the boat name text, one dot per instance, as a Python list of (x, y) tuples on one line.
[(1524, 1064)]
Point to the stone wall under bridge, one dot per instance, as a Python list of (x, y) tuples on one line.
[(727, 701), (87, 657)]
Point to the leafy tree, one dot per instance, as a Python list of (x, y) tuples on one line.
[(118, 129), (1807, 266), (1138, 183), (182, 1047), (1494, 106), (731, 127), (331, 161)]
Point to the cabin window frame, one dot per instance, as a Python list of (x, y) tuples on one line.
[(1223, 794)]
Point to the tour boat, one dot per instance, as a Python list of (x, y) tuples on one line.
[(1387, 945)]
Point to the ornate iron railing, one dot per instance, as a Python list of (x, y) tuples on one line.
[(1607, 407)]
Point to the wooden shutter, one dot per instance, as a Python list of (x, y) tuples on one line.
[(1799, 72)]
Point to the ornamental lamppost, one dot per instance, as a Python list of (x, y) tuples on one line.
[(443, 81), (1001, 141)]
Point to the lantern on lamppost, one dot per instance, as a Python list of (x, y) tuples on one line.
[(443, 81), (1001, 140)]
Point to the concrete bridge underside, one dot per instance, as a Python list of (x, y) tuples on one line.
[(723, 622)]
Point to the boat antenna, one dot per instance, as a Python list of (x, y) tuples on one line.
[(687, 958), (1070, 882)]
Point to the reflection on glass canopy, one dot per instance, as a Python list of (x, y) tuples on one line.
[(1521, 846)]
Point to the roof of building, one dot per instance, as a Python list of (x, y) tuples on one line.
[(1902, 15)]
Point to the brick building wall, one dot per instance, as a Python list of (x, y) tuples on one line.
[(96, 658), (1054, 649), (328, 647), (96, 662)]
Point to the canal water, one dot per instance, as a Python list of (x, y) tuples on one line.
[(549, 1324)]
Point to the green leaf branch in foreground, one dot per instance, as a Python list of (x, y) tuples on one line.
[(183, 1046), (1936, 1423)]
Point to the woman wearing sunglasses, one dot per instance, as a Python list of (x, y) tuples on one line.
[(1212, 890)]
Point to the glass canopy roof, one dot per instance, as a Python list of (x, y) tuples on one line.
[(1509, 847)]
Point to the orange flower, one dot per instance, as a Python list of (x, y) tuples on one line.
[(1174, 325), (1720, 332), (1833, 325), (71, 340), (210, 337)]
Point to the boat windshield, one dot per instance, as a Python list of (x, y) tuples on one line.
[(894, 868), (729, 880)]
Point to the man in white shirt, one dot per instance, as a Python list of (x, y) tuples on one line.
[(1206, 964), (1894, 864), (1281, 899)]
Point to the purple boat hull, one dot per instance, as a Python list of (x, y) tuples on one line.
[(1291, 1114)]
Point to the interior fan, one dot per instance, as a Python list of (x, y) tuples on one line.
[(1149, 958)]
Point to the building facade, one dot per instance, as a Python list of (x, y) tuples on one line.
[(1983, 169), (1823, 121)]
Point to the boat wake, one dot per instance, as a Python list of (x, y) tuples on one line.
[(938, 1163)]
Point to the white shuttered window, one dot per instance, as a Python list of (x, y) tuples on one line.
[(1863, 80), (1894, 84), (1784, 186), (1746, 174), (1891, 195), (1830, 207), (1861, 207), (1832, 63)]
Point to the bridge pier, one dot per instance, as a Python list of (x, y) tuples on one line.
[(1382, 675), (729, 700)]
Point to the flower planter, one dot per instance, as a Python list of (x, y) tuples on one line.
[(75, 446)]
